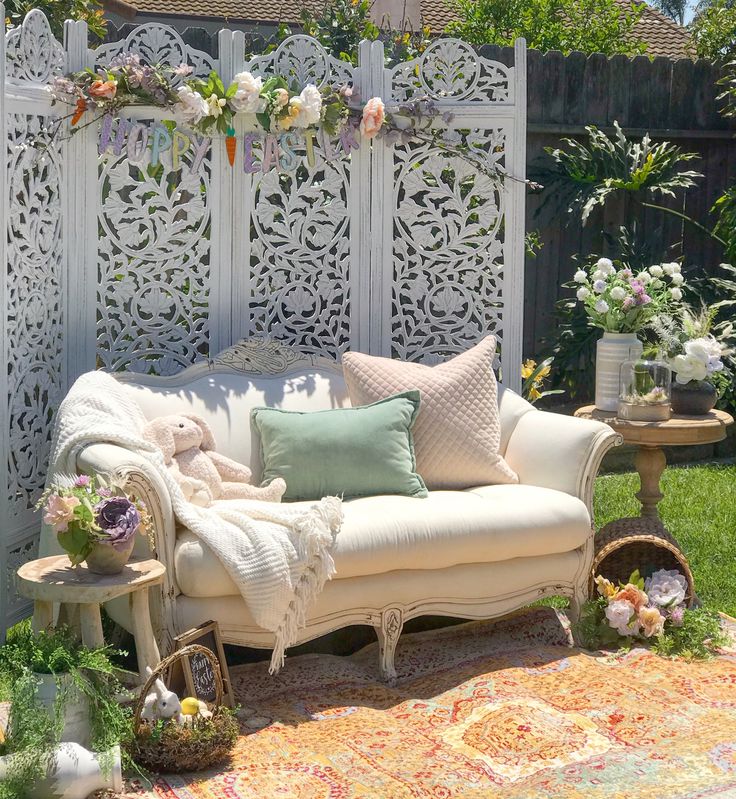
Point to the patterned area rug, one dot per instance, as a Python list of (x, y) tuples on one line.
[(483, 710)]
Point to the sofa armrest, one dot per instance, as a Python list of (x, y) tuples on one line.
[(142, 481), (561, 452)]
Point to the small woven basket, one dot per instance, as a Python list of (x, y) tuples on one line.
[(625, 545), (175, 749)]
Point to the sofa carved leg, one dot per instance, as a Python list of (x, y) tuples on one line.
[(388, 633), (577, 600)]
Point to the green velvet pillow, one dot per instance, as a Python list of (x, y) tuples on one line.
[(349, 452)]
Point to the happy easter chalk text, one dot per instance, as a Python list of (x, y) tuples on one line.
[(260, 152)]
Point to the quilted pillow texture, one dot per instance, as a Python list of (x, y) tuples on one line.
[(457, 433)]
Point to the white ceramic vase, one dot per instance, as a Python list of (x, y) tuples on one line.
[(76, 706), (611, 351), (75, 773)]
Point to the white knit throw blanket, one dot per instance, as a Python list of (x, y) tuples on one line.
[(278, 556)]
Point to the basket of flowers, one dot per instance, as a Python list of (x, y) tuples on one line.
[(173, 735), (642, 545)]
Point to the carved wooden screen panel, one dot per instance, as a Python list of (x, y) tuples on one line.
[(32, 286), (449, 227), (302, 247), (155, 247)]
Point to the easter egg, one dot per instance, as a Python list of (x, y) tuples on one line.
[(190, 706)]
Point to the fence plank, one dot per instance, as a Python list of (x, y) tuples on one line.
[(574, 88), (554, 67), (596, 89), (681, 95), (618, 85), (659, 93)]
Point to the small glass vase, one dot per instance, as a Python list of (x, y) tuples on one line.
[(105, 559), (645, 391)]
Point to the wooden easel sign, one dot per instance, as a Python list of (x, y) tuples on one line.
[(198, 678)]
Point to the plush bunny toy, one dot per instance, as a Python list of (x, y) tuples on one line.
[(161, 703), (204, 475)]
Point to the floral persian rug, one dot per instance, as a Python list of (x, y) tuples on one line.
[(483, 710)]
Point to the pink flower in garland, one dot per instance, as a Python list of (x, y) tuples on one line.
[(374, 113), (103, 89)]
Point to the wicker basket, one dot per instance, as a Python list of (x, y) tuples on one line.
[(175, 749), (625, 545)]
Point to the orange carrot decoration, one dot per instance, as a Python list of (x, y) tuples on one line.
[(231, 144), (81, 108)]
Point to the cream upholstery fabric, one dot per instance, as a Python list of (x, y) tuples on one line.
[(388, 533), (469, 582), (457, 434), (466, 584)]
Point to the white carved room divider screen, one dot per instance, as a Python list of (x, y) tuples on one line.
[(400, 249)]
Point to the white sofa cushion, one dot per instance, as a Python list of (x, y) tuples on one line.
[(388, 533)]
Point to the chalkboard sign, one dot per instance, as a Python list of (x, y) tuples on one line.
[(193, 675)]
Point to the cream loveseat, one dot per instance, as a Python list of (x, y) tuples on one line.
[(476, 553)]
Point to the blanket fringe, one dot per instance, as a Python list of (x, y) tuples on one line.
[(316, 530)]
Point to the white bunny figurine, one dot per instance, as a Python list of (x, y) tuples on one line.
[(161, 703)]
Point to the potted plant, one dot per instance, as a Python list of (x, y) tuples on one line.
[(94, 522), (62, 697), (621, 303), (696, 358)]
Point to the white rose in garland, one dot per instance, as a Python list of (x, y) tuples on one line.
[(190, 106), (308, 105), (247, 98)]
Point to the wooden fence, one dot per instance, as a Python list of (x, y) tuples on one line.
[(671, 100)]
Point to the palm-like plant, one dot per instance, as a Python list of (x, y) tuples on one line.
[(585, 175)]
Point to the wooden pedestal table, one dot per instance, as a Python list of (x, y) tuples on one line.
[(650, 461), (54, 579)]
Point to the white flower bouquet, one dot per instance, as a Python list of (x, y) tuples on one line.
[(701, 359), (619, 301)]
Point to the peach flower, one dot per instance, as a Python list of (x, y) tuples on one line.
[(60, 511), (374, 113), (652, 621), (634, 595), (103, 89)]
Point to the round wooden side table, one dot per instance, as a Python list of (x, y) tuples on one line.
[(54, 579), (650, 437)]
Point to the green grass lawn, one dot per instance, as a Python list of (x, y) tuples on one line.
[(699, 509)]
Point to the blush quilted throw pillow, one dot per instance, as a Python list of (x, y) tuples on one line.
[(458, 431)]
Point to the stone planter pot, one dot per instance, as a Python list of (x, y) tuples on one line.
[(74, 773), (695, 398), (76, 706), (611, 351), (105, 559)]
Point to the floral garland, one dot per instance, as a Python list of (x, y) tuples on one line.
[(208, 105), (271, 104)]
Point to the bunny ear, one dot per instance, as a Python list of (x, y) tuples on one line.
[(160, 687), (158, 431), (149, 671), (208, 437)]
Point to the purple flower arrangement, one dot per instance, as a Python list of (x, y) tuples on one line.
[(619, 301), (84, 513)]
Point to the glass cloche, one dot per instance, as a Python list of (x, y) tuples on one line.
[(645, 391)]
